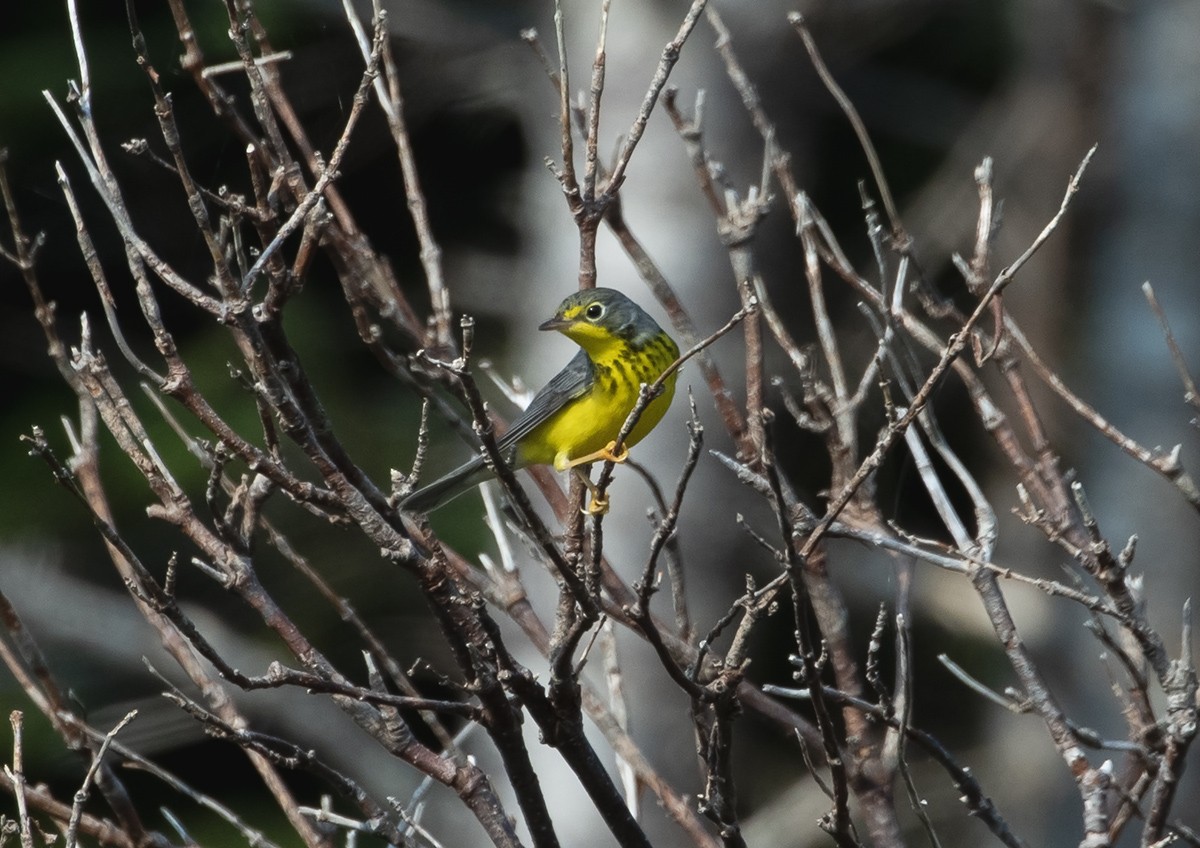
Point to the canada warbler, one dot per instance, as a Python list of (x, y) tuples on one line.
[(576, 417)]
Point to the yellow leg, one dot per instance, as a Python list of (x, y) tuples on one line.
[(606, 452), (599, 503)]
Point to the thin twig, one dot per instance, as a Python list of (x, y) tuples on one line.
[(899, 234), (1190, 394)]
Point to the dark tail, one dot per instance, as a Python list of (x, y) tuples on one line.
[(459, 481)]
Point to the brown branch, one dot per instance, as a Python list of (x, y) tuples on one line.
[(899, 235), (1190, 394)]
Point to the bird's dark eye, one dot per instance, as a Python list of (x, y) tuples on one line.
[(594, 311)]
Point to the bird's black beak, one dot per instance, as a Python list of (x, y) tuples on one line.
[(554, 323)]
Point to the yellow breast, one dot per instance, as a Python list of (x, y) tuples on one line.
[(588, 423)]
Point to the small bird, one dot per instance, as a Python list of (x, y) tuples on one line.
[(576, 417)]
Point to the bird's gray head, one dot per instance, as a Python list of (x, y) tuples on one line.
[(599, 313)]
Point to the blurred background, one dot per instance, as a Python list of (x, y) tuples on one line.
[(940, 84)]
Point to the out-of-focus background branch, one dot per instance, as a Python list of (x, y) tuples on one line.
[(939, 85)]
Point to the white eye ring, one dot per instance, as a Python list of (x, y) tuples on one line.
[(594, 311)]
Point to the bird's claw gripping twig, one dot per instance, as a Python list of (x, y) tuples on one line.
[(608, 452)]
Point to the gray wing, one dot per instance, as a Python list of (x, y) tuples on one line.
[(567, 384)]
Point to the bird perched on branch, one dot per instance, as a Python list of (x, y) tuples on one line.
[(576, 417)]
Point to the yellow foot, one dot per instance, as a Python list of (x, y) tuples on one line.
[(608, 452), (598, 505)]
